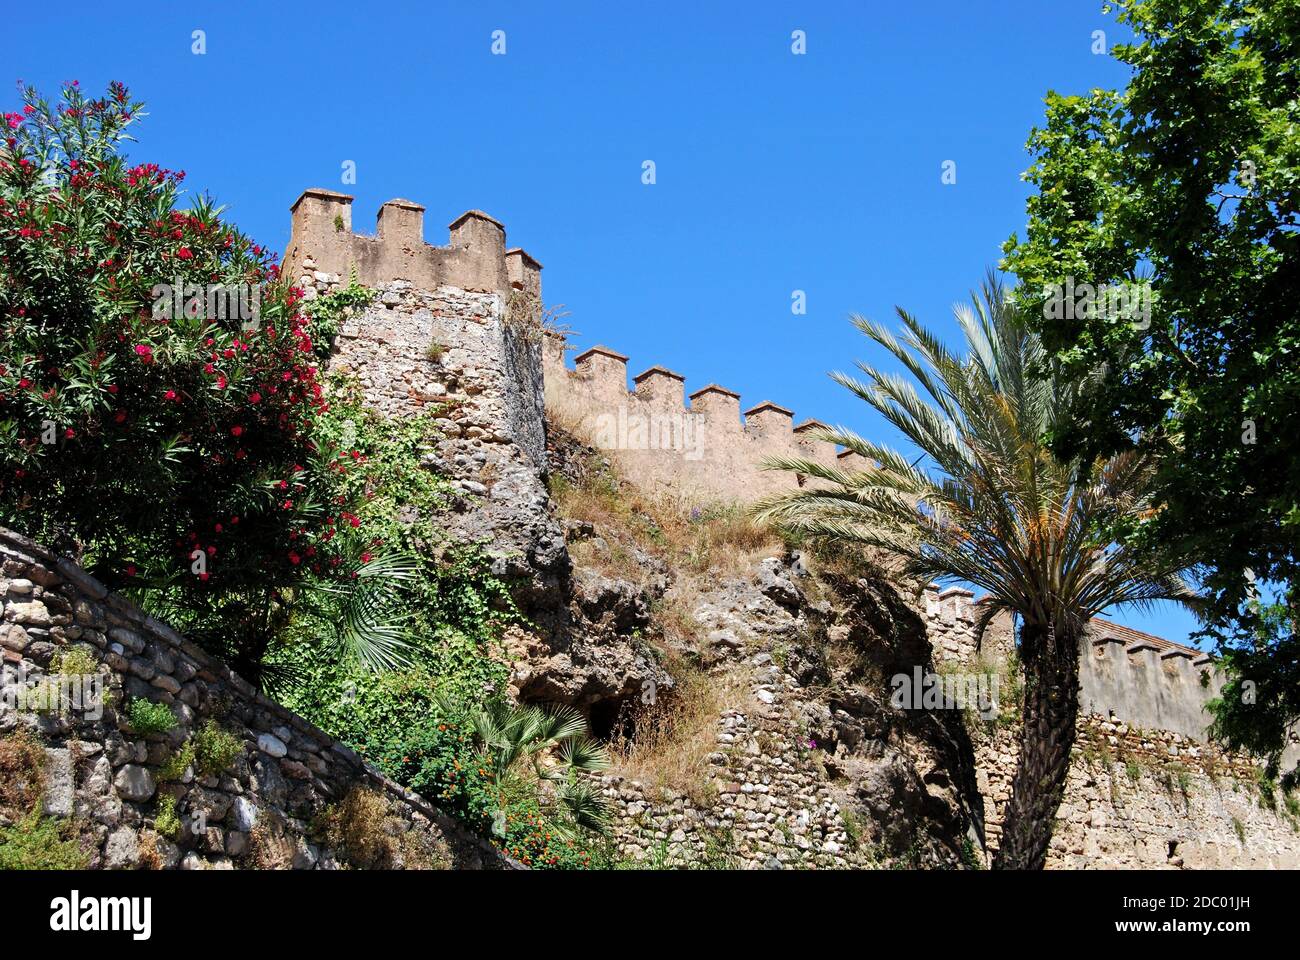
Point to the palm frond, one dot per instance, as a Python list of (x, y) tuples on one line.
[(993, 507)]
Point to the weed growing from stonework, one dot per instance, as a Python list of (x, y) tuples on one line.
[(41, 843), (166, 821), (22, 772), (331, 310), (177, 762), (76, 661), (149, 718), (215, 749), (31, 841)]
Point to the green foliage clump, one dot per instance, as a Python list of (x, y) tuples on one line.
[(215, 749), (438, 759), (456, 608), (167, 821), (177, 762), (149, 718), (75, 661), (41, 843)]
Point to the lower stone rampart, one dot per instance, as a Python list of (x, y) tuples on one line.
[(144, 799)]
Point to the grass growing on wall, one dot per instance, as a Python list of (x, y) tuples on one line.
[(32, 841)]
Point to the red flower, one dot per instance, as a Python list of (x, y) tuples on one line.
[(236, 431), (169, 395), (184, 253), (144, 352)]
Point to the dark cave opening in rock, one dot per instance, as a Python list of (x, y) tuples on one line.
[(612, 720)]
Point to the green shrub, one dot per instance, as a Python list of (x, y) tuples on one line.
[(215, 749), (148, 718), (41, 843), (174, 767), (152, 426), (74, 662), (436, 759), (167, 821)]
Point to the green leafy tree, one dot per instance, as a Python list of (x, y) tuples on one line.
[(996, 510), (1183, 188), (161, 404), (1259, 705)]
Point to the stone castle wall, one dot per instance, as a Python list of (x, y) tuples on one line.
[(789, 769), (439, 338), (1149, 799), (701, 452), (261, 810), (451, 334)]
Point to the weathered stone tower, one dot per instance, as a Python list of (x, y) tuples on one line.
[(454, 328)]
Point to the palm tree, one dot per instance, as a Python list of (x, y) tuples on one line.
[(998, 511), (550, 744)]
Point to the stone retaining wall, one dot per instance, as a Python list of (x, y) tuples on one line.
[(264, 809)]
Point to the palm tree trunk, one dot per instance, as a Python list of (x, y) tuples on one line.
[(1051, 705)]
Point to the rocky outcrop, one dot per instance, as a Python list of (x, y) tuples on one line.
[(459, 356), (815, 769)]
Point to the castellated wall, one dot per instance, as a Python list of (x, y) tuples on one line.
[(701, 451), (452, 333), (110, 780), (445, 335), (1146, 786)]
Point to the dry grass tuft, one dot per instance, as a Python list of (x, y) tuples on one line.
[(700, 538), (354, 827), (150, 858), (22, 772), (672, 738), (268, 847)]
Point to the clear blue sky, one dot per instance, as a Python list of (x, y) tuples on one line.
[(775, 172)]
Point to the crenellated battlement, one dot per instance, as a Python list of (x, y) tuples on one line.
[(697, 446), (475, 258)]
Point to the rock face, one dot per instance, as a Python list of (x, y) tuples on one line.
[(814, 770), (96, 769)]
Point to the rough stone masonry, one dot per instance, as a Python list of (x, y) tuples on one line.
[(259, 811), (458, 297)]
